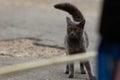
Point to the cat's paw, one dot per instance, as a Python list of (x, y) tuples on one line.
[(71, 76), (83, 72), (66, 72)]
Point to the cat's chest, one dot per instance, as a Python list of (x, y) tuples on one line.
[(75, 46)]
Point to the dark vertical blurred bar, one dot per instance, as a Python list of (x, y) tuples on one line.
[(109, 49), (110, 21)]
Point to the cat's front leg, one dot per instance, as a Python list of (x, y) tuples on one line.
[(67, 69), (82, 69), (71, 66)]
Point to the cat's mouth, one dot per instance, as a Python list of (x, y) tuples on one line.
[(73, 36)]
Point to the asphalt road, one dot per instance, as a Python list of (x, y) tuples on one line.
[(47, 73), (39, 20)]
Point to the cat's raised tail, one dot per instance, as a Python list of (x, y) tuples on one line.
[(72, 10)]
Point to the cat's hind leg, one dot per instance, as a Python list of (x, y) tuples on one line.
[(88, 68)]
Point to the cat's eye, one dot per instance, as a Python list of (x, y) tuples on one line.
[(77, 30), (69, 29)]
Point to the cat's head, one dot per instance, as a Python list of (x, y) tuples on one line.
[(74, 30)]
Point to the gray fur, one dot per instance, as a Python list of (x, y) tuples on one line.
[(76, 39), (76, 46)]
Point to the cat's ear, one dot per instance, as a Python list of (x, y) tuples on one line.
[(82, 24), (68, 20)]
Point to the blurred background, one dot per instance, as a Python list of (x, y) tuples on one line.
[(38, 19), (28, 25)]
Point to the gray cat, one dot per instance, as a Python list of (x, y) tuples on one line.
[(76, 39)]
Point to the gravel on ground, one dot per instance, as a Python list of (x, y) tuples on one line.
[(26, 48)]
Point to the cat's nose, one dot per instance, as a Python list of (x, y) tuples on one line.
[(72, 35)]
